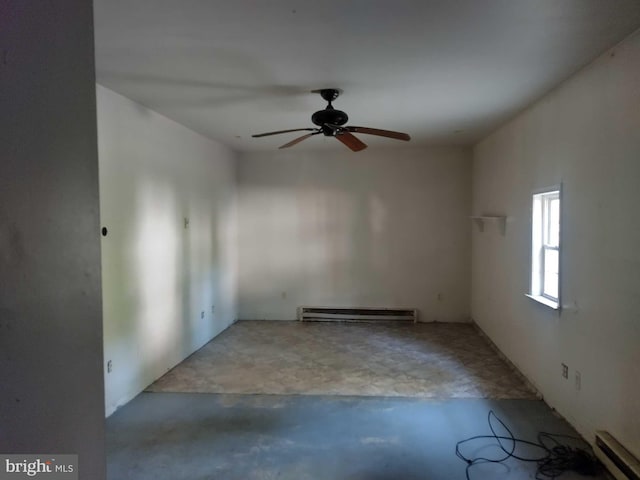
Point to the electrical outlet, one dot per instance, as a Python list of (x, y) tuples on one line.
[(109, 366), (565, 371), (202, 314), (213, 309), (578, 380)]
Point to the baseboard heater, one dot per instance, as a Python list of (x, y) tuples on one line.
[(618, 460), (359, 314)]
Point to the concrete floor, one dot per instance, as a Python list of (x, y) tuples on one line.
[(266, 437), (400, 398)]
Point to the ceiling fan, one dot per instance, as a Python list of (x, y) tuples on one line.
[(331, 123)]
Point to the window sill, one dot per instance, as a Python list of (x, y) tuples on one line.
[(544, 301)]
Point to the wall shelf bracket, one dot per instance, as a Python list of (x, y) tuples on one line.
[(499, 220)]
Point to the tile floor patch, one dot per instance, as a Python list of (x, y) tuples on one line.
[(283, 358)]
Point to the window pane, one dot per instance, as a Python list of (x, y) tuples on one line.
[(550, 286), (545, 244), (553, 235)]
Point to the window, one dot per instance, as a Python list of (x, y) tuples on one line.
[(545, 247)]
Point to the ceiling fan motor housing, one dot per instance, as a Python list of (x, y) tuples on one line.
[(329, 116)]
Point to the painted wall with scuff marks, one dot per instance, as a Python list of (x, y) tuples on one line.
[(168, 202), (51, 383), (586, 135)]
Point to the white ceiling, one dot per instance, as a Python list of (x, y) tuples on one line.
[(446, 72)]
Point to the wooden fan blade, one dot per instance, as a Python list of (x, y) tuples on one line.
[(284, 131), (298, 140), (380, 133), (351, 141)]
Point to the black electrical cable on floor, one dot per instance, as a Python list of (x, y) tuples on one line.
[(554, 458)]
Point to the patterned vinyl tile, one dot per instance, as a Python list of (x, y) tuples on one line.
[(431, 360)]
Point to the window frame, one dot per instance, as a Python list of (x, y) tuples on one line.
[(540, 230)]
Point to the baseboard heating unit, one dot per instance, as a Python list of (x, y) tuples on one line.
[(618, 460), (359, 314)]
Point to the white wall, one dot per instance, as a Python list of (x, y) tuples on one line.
[(158, 276), (374, 228), (585, 134), (51, 389)]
